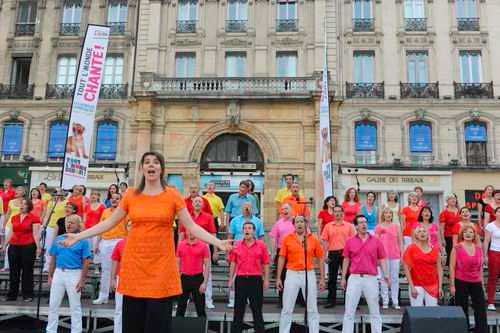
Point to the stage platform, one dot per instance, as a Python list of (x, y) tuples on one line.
[(98, 318)]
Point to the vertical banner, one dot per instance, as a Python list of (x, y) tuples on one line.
[(83, 106), (324, 137)]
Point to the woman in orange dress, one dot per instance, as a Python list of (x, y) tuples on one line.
[(149, 277)]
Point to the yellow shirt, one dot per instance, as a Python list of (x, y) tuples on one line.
[(281, 194), (119, 230), (59, 212), (13, 210), (215, 203), (1, 207), (46, 197)]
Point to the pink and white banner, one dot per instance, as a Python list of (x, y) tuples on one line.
[(324, 136), (83, 107)]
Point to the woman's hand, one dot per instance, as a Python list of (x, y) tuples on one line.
[(69, 240), (414, 292), (225, 245), (453, 290)]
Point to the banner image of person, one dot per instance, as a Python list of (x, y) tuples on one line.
[(83, 106), (324, 137)]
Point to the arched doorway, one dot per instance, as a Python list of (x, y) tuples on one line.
[(229, 159)]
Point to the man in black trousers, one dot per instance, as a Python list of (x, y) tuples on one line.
[(250, 263)]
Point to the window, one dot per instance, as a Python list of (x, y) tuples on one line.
[(414, 9), (417, 66), (362, 9), (236, 63), (420, 137), (287, 16), (106, 140), (117, 15), (57, 139), (26, 18), (364, 66), (21, 72), (113, 70), (470, 66), (12, 139), (365, 142), (71, 17), (476, 139), (66, 70), (237, 10), (466, 8), (187, 10), (185, 63), (286, 64)]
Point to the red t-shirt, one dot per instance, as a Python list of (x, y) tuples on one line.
[(7, 196), (411, 219), (423, 268), (80, 203), (192, 256), (206, 205), (22, 230), (204, 220), (92, 217), (449, 219), (117, 253), (458, 226), (490, 211), (350, 211), (326, 217)]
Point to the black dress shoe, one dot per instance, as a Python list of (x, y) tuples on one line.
[(329, 305)]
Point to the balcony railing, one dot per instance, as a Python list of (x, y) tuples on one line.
[(419, 90), (473, 90), (415, 24), (117, 28), (184, 26), (287, 25), (16, 91), (421, 159), (365, 157), (236, 25), (108, 91), (277, 87), (468, 24), (363, 24), (365, 90), (25, 29), (70, 29)]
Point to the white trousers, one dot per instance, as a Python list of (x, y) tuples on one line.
[(406, 241), (208, 291), (393, 271), (117, 327), (106, 247), (65, 282), (368, 286), (295, 281), (423, 298), (2, 222), (6, 258), (50, 235)]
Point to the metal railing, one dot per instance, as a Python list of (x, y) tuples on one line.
[(365, 90), (108, 91), (419, 90), (184, 26), (473, 90), (69, 29), (117, 28), (236, 25), (25, 29), (468, 24), (287, 25), (16, 91), (415, 24), (234, 86), (363, 24)]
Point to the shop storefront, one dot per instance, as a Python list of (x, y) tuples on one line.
[(436, 184), (19, 174), (468, 185), (99, 178)]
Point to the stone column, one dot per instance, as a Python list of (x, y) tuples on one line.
[(143, 107)]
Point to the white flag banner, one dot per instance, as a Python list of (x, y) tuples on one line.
[(324, 137), (83, 106)]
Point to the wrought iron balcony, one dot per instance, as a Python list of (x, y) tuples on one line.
[(287, 25), (415, 24), (363, 24), (16, 91), (184, 26), (419, 90), (70, 29), (468, 24), (108, 91), (117, 28), (236, 25), (230, 87), (25, 29), (473, 90), (365, 90)]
